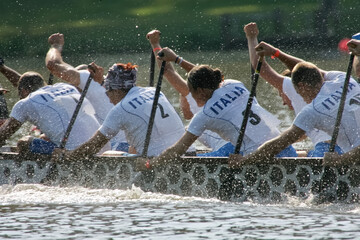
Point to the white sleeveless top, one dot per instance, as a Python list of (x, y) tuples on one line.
[(223, 114), (132, 115), (208, 138), (298, 103), (50, 108), (322, 111)]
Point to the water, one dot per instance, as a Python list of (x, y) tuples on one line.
[(41, 212)]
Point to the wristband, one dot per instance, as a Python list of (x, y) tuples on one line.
[(181, 60), (177, 58), (57, 46), (147, 164), (276, 54), (156, 49)]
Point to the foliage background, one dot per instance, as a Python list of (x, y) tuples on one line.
[(110, 26)]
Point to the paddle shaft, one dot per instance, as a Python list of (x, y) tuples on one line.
[(153, 110), (248, 106), (51, 78), (341, 105), (152, 69), (76, 112)]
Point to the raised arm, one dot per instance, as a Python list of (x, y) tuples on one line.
[(354, 48), (54, 61), (266, 72), (287, 59), (170, 74), (12, 75)]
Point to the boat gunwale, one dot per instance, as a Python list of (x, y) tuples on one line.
[(317, 161)]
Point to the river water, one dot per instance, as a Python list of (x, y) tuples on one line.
[(30, 211), (40, 212)]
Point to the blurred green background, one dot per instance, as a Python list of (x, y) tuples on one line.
[(110, 26)]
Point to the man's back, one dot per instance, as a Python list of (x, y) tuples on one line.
[(51, 108)]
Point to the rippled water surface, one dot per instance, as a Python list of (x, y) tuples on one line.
[(40, 212)]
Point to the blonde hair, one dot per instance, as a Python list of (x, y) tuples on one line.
[(31, 81)]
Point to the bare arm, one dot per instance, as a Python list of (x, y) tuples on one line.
[(10, 126), (54, 61), (89, 148), (12, 75), (268, 149), (173, 153), (251, 31), (266, 72), (357, 66), (269, 50), (185, 107), (333, 159), (170, 74), (354, 48)]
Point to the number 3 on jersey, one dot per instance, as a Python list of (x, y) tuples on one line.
[(254, 118)]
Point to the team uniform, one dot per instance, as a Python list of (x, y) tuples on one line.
[(96, 94), (223, 114), (317, 137), (132, 115), (50, 108), (321, 113), (212, 140)]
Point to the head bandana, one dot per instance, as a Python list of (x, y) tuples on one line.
[(121, 76)]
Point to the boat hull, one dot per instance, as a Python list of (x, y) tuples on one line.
[(202, 177)]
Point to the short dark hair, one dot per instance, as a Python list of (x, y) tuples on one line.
[(306, 72), (203, 76), (31, 81)]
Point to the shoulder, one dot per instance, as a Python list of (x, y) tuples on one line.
[(229, 82), (57, 85), (21, 104), (333, 75), (21, 109), (84, 75)]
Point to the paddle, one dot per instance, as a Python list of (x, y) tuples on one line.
[(153, 110), (341, 105), (248, 106), (152, 69), (76, 112), (51, 78)]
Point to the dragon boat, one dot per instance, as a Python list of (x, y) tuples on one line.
[(207, 177)]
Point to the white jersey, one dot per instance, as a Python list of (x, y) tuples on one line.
[(96, 94), (223, 114), (208, 138), (50, 108), (321, 113), (298, 103), (132, 115)]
